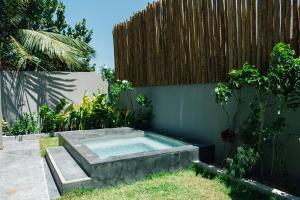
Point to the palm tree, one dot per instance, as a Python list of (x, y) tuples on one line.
[(26, 46), (40, 50)]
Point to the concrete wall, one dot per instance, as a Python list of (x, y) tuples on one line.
[(27, 91), (190, 111)]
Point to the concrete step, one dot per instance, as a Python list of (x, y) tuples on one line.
[(67, 173)]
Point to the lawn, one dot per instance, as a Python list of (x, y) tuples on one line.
[(181, 185), (47, 142)]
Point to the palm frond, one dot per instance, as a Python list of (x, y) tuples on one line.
[(55, 46), (18, 56), (82, 46)]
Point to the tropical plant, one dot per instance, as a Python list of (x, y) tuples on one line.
[(31, 38), (144, 102), (108, 74), (27, 124), (74, 118), (57, 119), (242, 163), (48, 119), (100, 110), (277, 88), (145, 114), (60, 106), (4, 125), (85, 113), (119, 115), (61, 115)]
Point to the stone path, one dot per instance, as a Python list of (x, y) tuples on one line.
[(24, 175)]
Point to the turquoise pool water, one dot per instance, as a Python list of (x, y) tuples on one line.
[(106, 148)]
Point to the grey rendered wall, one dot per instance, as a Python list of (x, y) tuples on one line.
[(27, 91), (190, 111)]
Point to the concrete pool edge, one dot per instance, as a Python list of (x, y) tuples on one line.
[(123, 169), (87, 159)]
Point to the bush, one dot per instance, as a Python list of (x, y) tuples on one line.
[(99, 111), (138, 118), (145, 114), (277, 88), (27, 124), (4, 125), (47, 117), (243, 162), (96, 112)]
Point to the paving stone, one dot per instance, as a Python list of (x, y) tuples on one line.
[(22, 175)]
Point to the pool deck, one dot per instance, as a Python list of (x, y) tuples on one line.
[(24, 175)]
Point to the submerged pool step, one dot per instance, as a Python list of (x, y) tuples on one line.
[(66, 172)]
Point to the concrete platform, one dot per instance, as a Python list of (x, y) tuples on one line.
[(22, 174), (66, 172), (74, 165), (125, 169)]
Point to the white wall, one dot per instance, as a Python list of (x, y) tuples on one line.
[(27, 91)]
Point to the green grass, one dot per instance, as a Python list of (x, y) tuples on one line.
[(47, 142), (182, 185)]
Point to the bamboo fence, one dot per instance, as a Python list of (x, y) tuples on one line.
[(175, 42)]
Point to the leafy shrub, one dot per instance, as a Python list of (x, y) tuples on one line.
[(145, 114), (108, 74), (27, 124), (61, 115), (277, 88), (4, 125), (223, 92), (74, 118), (243, 162), (48, 119), (118, 117), (99, 111), (60, 106), (55, 120)]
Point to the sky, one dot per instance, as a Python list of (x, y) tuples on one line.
[(101, 16)]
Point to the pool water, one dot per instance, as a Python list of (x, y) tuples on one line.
[(125, 146)]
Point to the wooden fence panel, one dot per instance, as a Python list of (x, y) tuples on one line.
[(175, 42)]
